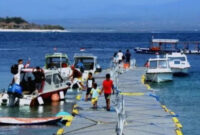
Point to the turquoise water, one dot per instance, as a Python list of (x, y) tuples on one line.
[(181, 96)]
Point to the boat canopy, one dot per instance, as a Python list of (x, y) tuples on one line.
[(165, 41), (56, 60), (88, 60), (84, 55), (158, 63)]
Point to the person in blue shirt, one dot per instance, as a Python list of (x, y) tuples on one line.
[(80, 65)]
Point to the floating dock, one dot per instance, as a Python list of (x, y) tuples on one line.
[(140, 113)]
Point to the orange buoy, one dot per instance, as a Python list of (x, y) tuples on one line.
[(55, 97)]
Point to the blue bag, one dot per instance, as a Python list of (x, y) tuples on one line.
[(15, 88)]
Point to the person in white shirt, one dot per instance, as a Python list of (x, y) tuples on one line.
[(17, 76), (65, 71), (120, 56)]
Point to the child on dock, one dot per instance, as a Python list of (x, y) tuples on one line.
[(89, 83), (95, 94)]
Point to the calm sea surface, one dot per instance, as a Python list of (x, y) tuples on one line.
[(182, 95)]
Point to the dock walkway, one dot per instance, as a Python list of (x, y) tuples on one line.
[(144, 114)]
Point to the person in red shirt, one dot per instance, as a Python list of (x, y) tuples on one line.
[(107, 89)]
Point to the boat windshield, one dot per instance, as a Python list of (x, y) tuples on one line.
[(158, 64), (162, 64), (88, 63), (56, 62), (177, 58)]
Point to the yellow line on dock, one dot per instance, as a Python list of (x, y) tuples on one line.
[(132, 94)]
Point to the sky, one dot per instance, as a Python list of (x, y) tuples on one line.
[(121, 14)]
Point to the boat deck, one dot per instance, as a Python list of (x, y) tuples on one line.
[(144, 114)]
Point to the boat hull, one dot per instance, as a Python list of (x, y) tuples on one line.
[(179, 71), (159, 77)]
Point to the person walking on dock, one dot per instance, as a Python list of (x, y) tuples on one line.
[(107, 89), (95, 95), (90, 82), (120, 56)]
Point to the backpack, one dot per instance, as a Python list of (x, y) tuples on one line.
[(14, 69)]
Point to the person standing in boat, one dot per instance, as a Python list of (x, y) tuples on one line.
[(39, 78), (80, 65), (107, 88), (90, 82)]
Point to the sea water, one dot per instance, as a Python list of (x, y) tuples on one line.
[(181, 96)]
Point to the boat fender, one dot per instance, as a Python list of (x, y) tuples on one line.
[(78, 97), (55, 97), (40, 101), (60, 131), (75, 112), (61, 93), (68, 123), (175, 120), (165, 108), (178, 132), (179, 125)]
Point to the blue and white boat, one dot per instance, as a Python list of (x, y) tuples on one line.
[(178, 62), (158, 70)]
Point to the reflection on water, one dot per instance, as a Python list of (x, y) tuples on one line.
[(39, 111)]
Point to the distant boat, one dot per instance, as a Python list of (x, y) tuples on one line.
[(178, 62), (82, 49), (158, 70), (160, 46)]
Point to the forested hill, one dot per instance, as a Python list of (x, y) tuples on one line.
[(20, 23)]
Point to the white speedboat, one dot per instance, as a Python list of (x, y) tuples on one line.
[(158, 70), (53, 84), (60, 62), (89, 62), (178, 62)]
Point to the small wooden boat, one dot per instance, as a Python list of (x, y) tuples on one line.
[(29, 121)]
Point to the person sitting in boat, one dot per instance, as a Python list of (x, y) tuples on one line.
[(65, 71), (39, 78), (147, 64), (80, 66)]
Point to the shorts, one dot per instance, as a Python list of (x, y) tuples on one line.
[(88, 91), (94, 100), (107, 96)]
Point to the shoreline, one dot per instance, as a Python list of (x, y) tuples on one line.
[(31, 30)]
